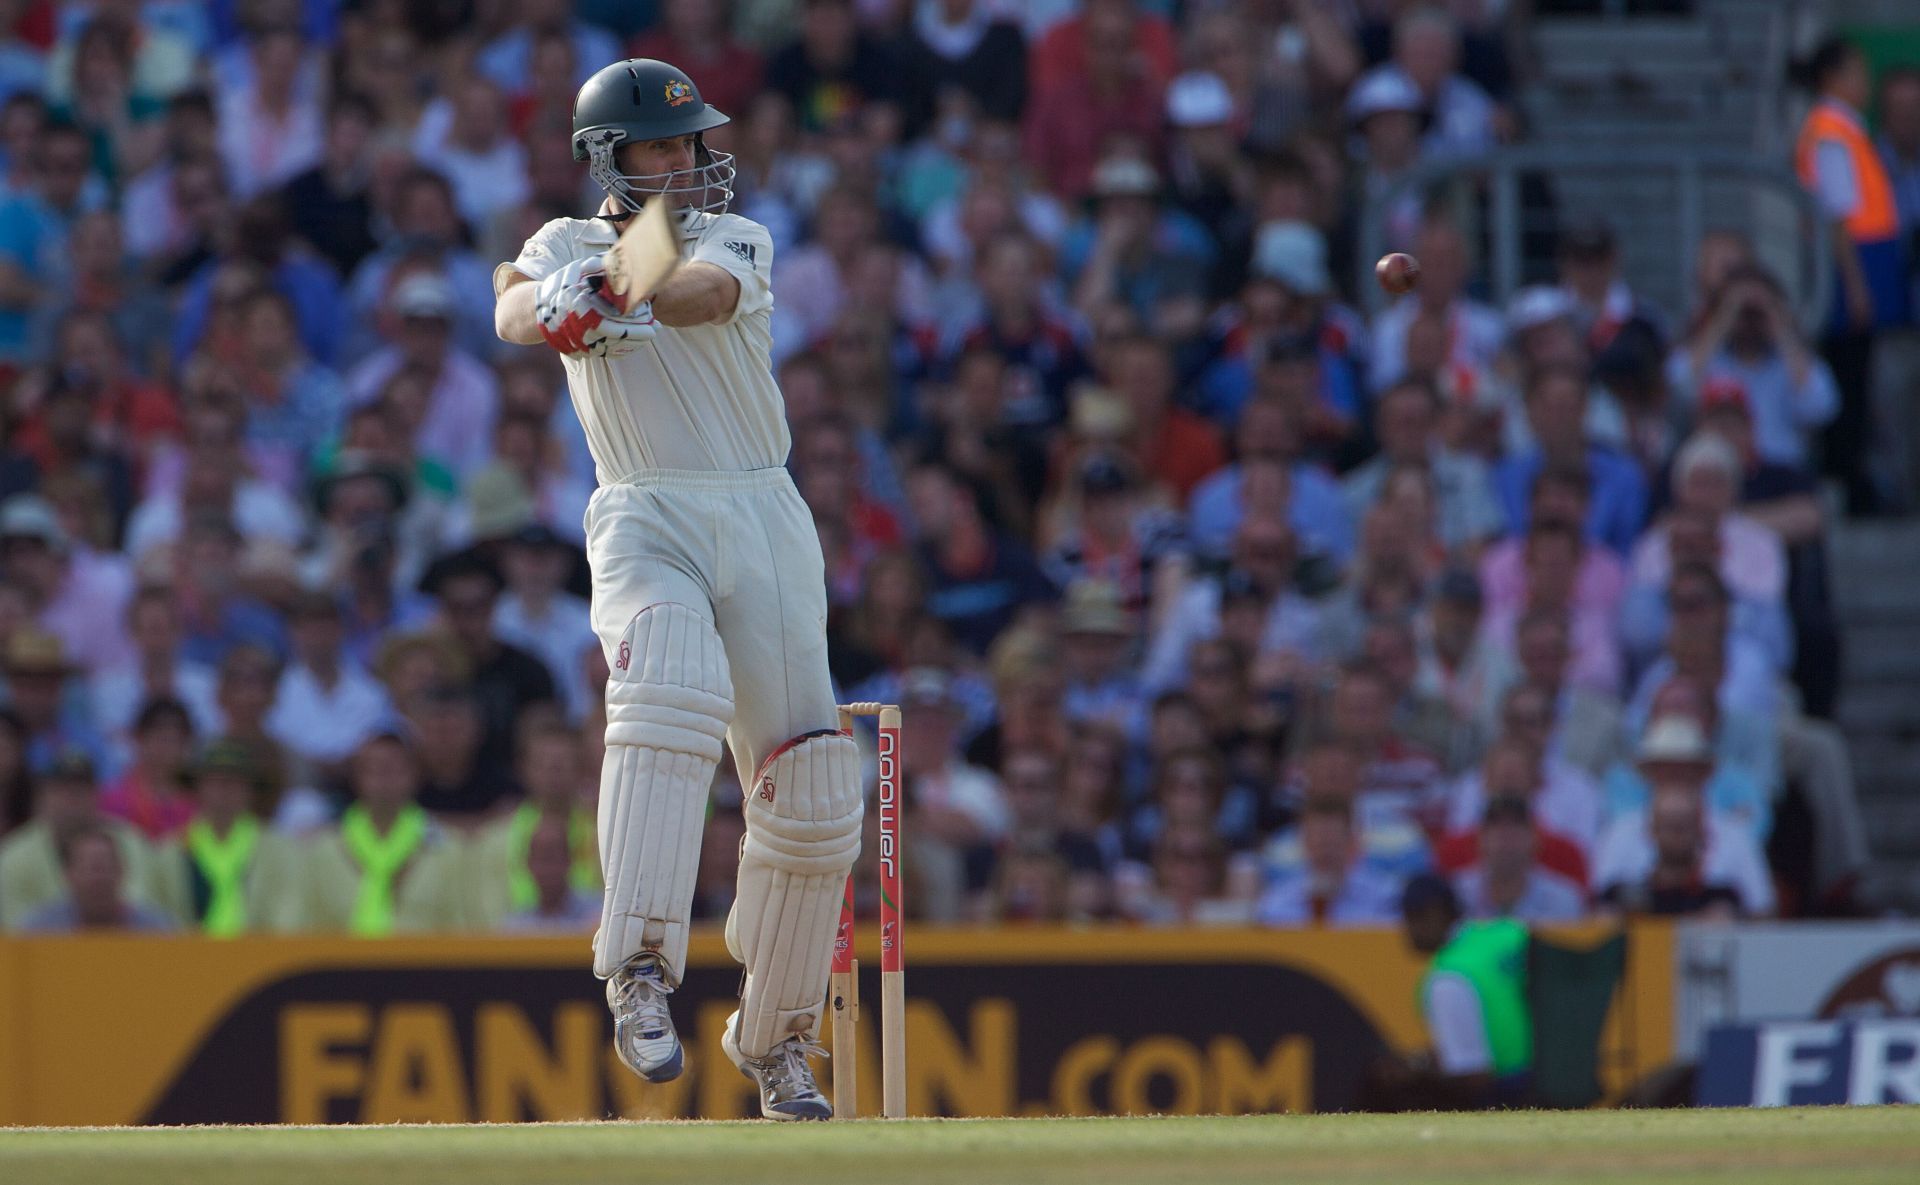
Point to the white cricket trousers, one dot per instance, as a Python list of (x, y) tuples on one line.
[(740, 549)]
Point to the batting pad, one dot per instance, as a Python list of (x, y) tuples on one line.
[(669, 701), (803, 834)]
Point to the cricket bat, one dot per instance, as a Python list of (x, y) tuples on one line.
[(643, 256)]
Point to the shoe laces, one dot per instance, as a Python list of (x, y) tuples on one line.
[(642, 992), (788, 1074)]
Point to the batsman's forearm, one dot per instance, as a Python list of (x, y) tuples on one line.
[(513, 315), (696, 294)]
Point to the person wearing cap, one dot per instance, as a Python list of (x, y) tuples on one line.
[(326, 703), (66, 802), (293, 403), (1119, 538), (953, 807), (1749, 336), (1426, 54), (1389, 114), (536, 612), (1136, 251), (1209, 177), (1507, 881), (1680, 855), (1098, 635), (426, 226), (503, 880), (80, 596), (457, 430), (386, 867), (228, 872), (1744, 752), (44, 690), (1095, 78)]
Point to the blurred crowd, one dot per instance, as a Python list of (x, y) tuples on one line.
[(1209, 598)]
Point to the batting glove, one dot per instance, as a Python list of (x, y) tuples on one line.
[(576, 319)]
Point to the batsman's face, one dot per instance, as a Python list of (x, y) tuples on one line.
[(657, 158)]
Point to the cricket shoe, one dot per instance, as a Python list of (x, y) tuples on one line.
[(787, 1089), (643, 1033)]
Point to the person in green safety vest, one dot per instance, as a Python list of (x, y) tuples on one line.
[(1473, 998)]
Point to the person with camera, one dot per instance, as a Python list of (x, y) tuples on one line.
[(1748, 339)]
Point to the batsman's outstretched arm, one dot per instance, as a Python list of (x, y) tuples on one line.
[(696, 294), (513, 314)]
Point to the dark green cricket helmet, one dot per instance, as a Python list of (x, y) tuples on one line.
[(638, 100)]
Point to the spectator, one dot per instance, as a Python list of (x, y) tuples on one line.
[(326, 705), (1556, 399), (1267, 438), (1388, 112), (1426, 53), (833, 69), (34, 223), (427, 236), (151, 791), (1474, 332), (1095, 80), (66, 804), (44, 691), (1678, 856), (1405, 420), (978, 578), (693, 35), (1192, 883), (1750, 341), (1581, 724), (1551, 565), (387, 867), (1587, 260), (537, 614), (16, 781), (962, 61), (217, 612), (271, 119), (229, 873), (1563, 800), (954, 808), (1508, 881), (1334, 887), (1740, 771), (1400, 783), (511, 874), (256, 250), (559, 907), (1098, 634), (1706, 530), (293, 403), (1561, 497), (96, 899), (80, 596), (1042, 360), (124, 319), (508, 58), (457, 424), (1457, 663), (1138, 252), (1168, 443), (1120, 538), (330, 204), (464, 137)]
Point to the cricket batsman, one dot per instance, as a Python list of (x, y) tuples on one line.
[(709, 591)]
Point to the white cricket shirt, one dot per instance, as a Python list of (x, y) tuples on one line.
[(700, 398)]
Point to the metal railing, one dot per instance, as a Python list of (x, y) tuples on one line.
[(1775, 211)]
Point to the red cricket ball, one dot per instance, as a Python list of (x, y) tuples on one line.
[(1397, 273)]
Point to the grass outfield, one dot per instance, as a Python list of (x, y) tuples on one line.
[(1880, 1144)]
